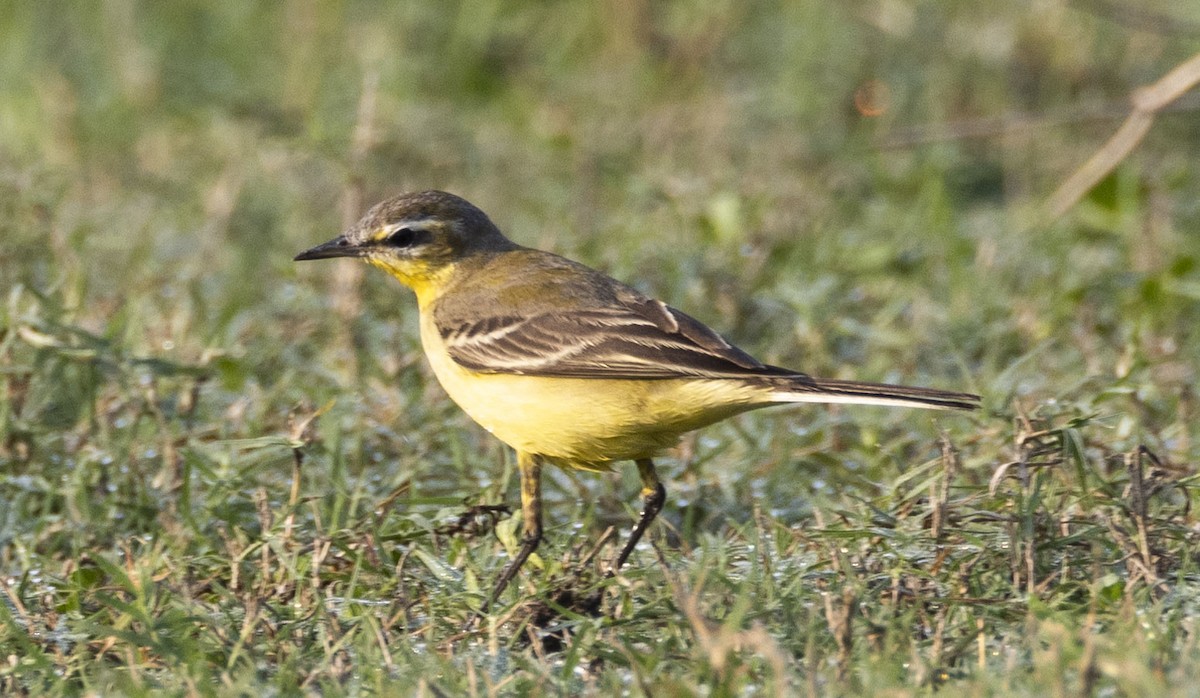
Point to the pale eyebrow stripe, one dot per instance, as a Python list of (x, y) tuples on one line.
[(414, 224)]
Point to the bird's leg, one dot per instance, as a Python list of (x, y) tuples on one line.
[(531, 511), (653, 497)]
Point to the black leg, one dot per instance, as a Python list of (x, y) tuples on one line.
[(531, 511), (653, 497)]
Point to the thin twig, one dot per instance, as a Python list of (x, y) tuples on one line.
[(1016, 122), (1147, 103), (302, 433)]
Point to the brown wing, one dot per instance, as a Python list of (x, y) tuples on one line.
[(634, 338)]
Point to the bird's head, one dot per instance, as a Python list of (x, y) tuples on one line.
[(416, 236)]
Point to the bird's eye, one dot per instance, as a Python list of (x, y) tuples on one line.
[(405, 237)]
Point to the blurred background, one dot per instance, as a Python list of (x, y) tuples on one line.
[(854, 189)]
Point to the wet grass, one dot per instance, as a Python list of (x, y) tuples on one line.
[(223, 474)]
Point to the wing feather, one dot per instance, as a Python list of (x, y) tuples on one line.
[(640, 338)]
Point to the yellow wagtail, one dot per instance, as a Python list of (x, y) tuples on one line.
[(565, 364)]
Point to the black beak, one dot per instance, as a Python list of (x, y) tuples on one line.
[(337, 247)]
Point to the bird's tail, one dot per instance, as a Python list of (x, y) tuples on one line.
[(802, 388)]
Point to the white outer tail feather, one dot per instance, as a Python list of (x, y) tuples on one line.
[(802, 388), (785, 396)]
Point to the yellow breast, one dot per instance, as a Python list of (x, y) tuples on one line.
[(580, 422)]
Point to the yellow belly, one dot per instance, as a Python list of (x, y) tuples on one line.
[(586, 423)]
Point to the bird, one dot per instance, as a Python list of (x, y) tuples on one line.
[(566, 365)]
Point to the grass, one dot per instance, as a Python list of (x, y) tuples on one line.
[(224, 474)]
